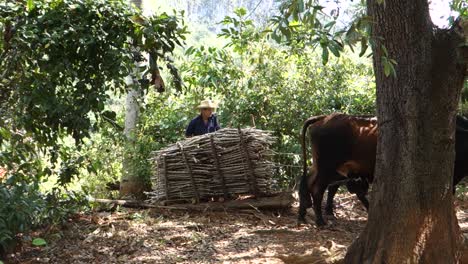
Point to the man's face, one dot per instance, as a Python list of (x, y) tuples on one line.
[(206, 112)]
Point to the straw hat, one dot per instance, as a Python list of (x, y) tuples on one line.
[(207, 104)]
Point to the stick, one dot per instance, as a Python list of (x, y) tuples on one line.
[(197, 197), (132, 203), (218, 167)]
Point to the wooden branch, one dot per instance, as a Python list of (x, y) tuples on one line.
[(218, 167), (253, 182), (280, 201), (166, 185), (189, 169), (132, 203)]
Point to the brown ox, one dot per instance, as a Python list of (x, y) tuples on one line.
[(344, 150), (343, 147)]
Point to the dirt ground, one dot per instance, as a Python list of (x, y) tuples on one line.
[(175, 236)]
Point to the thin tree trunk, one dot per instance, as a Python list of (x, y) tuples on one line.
[(132, 111), (131, 184), (412, 217)]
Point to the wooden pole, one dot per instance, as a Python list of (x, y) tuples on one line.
[(251, 172), (218, 167), (189, 169), (166, 185)]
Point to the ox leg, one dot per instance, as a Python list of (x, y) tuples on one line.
[(301, 214), (360, 187), (459, 173), (318, 189), (304, 199), (363, 199), (332, 189)]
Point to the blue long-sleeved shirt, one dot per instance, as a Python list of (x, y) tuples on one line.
[(197, 127)]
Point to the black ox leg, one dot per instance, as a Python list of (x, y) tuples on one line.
[(304, 199), (332, 189), (357, 186), (317, 190), (360, 187)]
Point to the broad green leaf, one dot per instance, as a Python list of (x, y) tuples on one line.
[(335, 48), (39, 242), (325, 55), (300, 6), (363, 47), (387, 69)]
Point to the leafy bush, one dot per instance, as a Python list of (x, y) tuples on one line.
[(23, 206), (61, 62), (18, 205)]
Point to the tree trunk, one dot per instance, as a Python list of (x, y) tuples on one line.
[(412, 217), (132, 184)]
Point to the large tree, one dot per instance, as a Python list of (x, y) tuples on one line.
[(412, 217)]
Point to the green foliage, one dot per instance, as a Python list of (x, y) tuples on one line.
[(461, 7), (61, 62), (104, 151), (63, 58), (39, 242), (304, 24), (23, 206), (59, 204), (387, 63), (17, 206), (259, 83), (240, 31)]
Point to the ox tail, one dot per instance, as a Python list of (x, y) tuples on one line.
[(304, 196), (306, 125)]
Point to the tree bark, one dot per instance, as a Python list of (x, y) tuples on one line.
[(132, 184), (412, 217)]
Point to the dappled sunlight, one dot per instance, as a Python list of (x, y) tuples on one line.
[(165, 236), (178, 236), (424, 233)]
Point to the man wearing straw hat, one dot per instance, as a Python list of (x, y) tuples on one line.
[(206, 122)]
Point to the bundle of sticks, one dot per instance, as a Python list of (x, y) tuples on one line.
[(224, 164)]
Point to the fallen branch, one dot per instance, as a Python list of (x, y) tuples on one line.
[(132, 203), (280, 201)]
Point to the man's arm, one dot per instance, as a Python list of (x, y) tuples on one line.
[(217, 125), (190, 131)]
